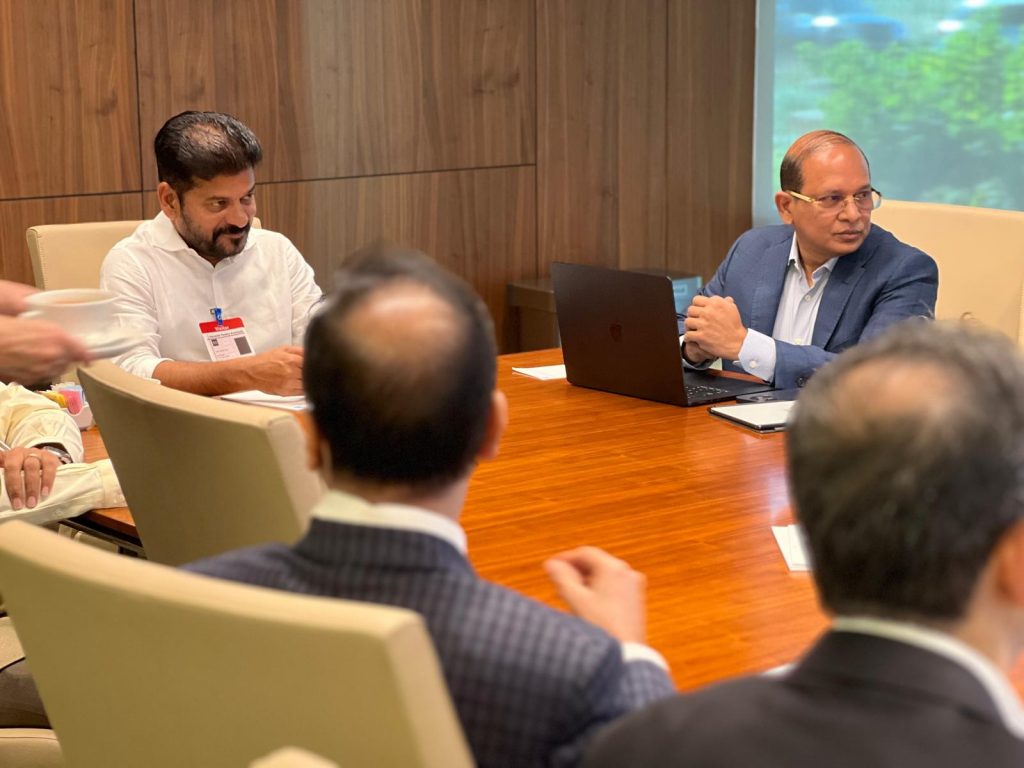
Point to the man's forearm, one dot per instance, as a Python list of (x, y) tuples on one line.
[(212, 378)]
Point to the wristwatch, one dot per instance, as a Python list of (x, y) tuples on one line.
[(59, 452)]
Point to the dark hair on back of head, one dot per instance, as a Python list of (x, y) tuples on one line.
[(203, 145), (903, 474), (412, 411)]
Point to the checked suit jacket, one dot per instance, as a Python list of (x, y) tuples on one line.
[(881, 283), (530, 684), (855, 700)]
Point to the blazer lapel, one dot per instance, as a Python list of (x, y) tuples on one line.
[(845, 276), (768, 293)]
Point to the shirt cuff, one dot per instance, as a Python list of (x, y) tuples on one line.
[(641, 652), (757, 355)]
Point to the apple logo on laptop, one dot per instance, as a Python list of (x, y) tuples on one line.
[(616, 331)]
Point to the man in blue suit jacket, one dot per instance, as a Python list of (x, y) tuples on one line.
[(400, 374), (788, 298)]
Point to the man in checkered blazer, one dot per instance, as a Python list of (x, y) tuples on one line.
[(400, 375)]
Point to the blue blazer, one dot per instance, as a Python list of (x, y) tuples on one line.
[(882, 282), (855, 700), (531, 684)]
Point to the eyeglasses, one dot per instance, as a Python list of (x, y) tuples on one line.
[(865, 200)]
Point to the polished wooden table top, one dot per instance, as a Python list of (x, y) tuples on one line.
[(684, 497)]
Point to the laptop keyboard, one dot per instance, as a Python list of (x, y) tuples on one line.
[(701, 391)]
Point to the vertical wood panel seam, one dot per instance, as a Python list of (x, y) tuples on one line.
[(536, 142), (138, 96)]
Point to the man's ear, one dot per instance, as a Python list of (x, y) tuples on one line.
[(315, 443), (170, 203), (497, 420), (1009, 554), (782, 205)]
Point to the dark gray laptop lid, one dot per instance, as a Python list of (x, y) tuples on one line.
[(619, 331)]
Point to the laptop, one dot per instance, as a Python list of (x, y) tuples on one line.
[(620, 334)]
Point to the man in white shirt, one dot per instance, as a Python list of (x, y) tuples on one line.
[(788, 298), (400, 375), (906, 469), (220, 306)]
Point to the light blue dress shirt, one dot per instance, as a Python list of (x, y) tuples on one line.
[(794, 321)]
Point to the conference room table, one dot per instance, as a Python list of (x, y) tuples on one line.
[(684, 497)]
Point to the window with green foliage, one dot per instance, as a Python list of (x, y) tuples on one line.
[(932, 90)]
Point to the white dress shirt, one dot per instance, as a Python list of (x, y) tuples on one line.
[(340, 507), (166, 290), (794, 321), (991, 678)]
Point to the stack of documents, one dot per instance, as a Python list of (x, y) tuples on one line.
[(255, 397), (791, 541), (543, 372)]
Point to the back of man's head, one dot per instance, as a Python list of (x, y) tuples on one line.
[(906, 467), (399, 371), (203, 145)]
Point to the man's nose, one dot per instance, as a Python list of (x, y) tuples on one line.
[(848, 208), (238, 215)]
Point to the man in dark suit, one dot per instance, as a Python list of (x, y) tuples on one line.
[(788, 298), (906, 469), (400, 375)]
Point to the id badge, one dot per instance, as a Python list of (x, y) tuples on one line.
[(225, 340)]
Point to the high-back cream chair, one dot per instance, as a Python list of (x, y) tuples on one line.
[(139, 664), (201, 475), (70, 255), (29, 748), (980, 253)]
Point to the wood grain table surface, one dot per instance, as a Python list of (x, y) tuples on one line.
[(684, 497)]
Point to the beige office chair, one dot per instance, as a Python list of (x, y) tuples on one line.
[(201, 475), (70, 255), (29, 748), (22, 747), (980, 253), (143, 665)]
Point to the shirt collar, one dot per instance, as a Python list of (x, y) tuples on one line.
[(164, 236), (794, 258), (988, 675), (341, 507)]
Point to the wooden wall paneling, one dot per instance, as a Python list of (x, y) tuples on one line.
[(18, 215), (710, 129), (68, 111), (601, 132), (352, 88), (479, 224)]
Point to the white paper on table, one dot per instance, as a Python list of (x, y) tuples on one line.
[(256, 397), (791, 542), (543, 372)]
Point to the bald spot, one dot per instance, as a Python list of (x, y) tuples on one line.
[(403, 326), (886, 390)]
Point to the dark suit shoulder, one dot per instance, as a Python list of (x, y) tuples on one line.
[(884, 242), (770, 721), (762, 238)]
